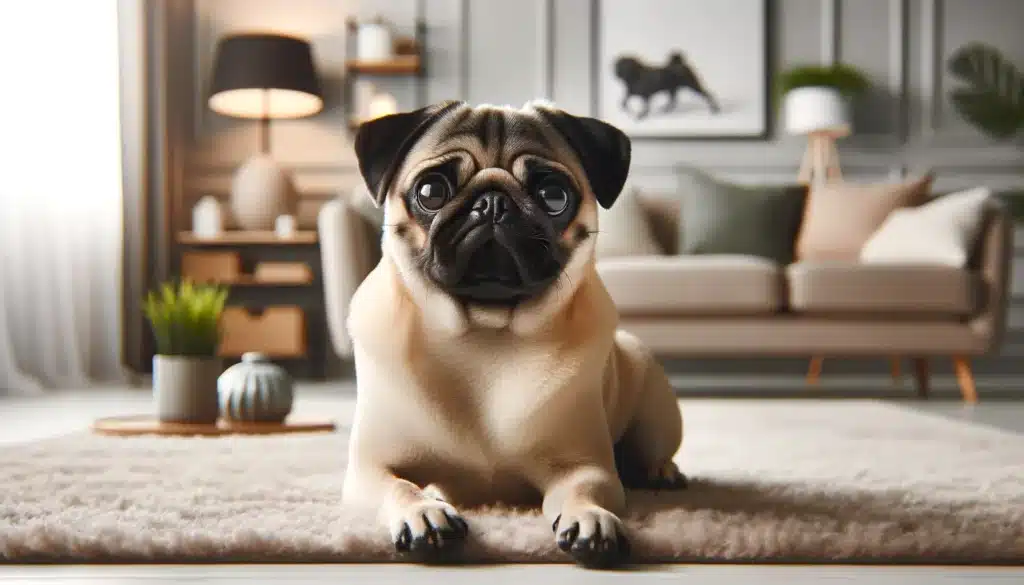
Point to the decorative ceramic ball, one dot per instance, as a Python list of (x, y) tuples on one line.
[(255, 390)]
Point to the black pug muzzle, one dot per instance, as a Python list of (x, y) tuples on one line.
[(495, 249)]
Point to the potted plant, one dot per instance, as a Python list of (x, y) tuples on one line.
[(991, 97), (816, 98), (185, 320)]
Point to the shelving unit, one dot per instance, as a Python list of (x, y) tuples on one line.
[(404, 64), (275, 302)]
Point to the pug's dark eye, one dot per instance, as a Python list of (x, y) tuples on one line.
[(554, 196), (433, 191)]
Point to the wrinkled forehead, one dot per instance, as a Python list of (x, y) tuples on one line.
[(488, 137)]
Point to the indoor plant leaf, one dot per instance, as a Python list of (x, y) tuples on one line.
[(847, 79), (993, 100), (185, 318), (988, 112)]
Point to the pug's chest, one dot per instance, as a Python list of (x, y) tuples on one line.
[(508, 404)]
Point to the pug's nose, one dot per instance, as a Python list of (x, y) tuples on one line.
[(493, 205)]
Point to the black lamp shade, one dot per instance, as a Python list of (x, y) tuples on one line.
[(259, 75)]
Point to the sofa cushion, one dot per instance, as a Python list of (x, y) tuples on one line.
[(722, 217), (625, 229), (891, 289), (362, 202), (941, 231), (840, 216), (693, 285)]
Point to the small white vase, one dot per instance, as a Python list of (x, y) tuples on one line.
[(260, 191), (207, 217), (284, 226), (185, 388)]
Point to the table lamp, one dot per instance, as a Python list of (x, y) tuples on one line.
[(821, 114), (263, 76)]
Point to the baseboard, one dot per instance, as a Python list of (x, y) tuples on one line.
[(989, 387)]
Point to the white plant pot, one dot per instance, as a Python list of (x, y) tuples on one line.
[(809, 110), (185, 388), (373, 42)]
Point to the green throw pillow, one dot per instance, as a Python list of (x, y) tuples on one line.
[(720, 217)]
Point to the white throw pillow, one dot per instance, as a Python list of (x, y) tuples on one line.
[(624, 229), (941, 231)]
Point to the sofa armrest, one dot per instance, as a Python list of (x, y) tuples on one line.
[(349, 250), (993, 261)]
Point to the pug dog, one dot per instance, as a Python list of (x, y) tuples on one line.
[(489, 367)]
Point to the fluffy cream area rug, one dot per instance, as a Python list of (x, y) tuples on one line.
[(777, 481)]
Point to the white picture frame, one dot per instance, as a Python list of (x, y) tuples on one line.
[(712, 56)]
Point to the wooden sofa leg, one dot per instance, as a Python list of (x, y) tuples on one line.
[(814, 370), (921, 376), (896, 367), (964, 377)]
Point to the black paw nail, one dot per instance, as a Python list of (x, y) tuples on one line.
[(404, 539), (554, 525), (436, 544), (457, 524), (567, 537), (596, 551)]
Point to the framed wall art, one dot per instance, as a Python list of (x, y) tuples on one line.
[(683, 68)]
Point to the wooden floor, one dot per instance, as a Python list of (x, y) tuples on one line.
[(25, 419)]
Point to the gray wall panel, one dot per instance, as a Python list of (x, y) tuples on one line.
[(505, 52), (571, 43), (508, 57)]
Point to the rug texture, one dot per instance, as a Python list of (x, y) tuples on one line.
[(776, 481)]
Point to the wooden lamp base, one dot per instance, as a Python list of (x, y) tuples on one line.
[(821, 159)]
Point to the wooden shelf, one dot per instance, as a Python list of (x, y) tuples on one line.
[(400, 65), (247, 280), (242, 237)]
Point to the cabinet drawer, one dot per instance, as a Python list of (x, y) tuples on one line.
[(277, 331)]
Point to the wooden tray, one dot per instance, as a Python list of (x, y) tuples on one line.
[(126, 426)]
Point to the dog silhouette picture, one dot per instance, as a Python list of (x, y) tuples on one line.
[(645, 81)]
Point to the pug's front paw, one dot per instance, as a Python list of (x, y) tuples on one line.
[(593, 537), (429, 531)]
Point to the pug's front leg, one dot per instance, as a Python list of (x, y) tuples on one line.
[(585, 502), (423, 527)]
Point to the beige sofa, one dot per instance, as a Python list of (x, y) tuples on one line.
[(734, 305)]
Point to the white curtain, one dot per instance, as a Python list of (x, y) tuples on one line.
[(60, 196)]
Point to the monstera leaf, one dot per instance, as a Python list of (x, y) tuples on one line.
[(993, 99)]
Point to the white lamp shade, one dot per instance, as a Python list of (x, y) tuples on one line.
[(270, 103), (810, 110)]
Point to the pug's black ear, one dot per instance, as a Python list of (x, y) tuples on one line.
[(603, 150), (382, 143)]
